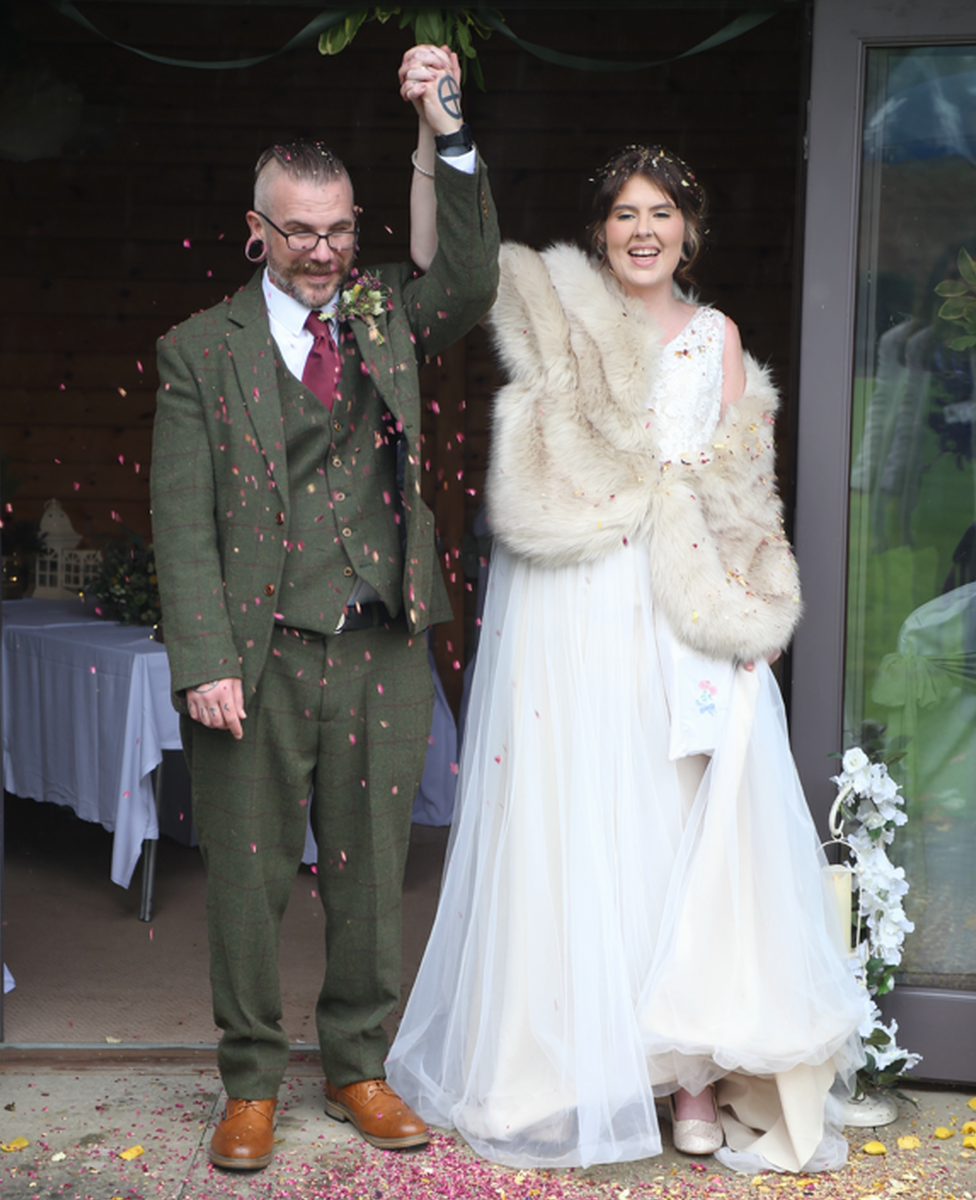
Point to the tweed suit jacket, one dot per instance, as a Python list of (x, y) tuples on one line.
[(219, 482)]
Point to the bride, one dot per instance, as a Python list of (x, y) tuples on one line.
[(633, 905)]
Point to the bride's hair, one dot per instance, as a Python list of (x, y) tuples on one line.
[(667, 172)]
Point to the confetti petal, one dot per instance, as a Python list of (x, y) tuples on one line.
[(874, 1148)]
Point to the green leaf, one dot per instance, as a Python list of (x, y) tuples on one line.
[(477, 73), (383, 14), (967, 268), (966, 342), (958, 308), (339, 36), (951, 287), (333, 40), (891, 1074), (476, 23), (464, 40), (878, 1038), (429, 27)]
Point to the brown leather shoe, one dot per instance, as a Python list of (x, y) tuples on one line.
[(379, 1114), (244, 1137)]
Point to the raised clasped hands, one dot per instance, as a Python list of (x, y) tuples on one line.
[(430, 78), (218, 705)]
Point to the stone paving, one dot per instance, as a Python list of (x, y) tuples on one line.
[(102, 1126)]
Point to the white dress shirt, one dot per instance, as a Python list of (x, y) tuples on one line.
[(287, 316)]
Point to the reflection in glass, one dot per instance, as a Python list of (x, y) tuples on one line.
[(910, 680)]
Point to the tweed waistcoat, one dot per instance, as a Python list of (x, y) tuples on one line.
[(342, 522)]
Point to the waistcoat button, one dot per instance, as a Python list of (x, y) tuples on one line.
[(347, 532), (340, 495), (269, 589), (279, 518), (347, 571)]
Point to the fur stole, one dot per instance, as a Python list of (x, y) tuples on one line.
[(575, 470)]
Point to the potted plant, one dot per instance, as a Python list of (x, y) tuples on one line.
[(125, 588)]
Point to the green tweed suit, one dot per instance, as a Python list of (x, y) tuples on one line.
[(347, 715)]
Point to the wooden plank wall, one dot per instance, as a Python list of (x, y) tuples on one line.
[(139, 219)]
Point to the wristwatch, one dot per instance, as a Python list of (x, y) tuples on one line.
[(452, 144)]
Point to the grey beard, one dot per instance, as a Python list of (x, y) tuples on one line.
[(291, 289)]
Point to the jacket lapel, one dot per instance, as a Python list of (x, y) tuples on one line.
[(378, 358), (254, 355)]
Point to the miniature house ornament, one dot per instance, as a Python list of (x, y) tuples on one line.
[(61, 571)]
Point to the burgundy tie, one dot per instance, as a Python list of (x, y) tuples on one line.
[(322, 367)]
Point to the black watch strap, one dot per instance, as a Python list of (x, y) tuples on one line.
[(452, 144)]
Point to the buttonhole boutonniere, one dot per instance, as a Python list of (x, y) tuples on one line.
[(365, 297)]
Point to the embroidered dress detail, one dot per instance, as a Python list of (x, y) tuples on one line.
[(687, 394)]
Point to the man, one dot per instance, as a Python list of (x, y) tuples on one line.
[(298, 571)]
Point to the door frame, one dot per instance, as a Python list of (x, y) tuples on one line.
[(937, 1024)]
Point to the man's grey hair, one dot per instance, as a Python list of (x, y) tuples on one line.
[(312, 162)]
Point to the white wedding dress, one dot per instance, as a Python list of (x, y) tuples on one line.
[(614, 922)]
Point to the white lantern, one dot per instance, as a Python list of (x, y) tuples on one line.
[(842, 877)]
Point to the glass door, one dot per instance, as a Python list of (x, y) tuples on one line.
[(910, 664), (886, 480)]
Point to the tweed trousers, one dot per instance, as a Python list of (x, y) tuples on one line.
[(346, 719)]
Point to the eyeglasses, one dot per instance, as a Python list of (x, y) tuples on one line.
[(308, 239)]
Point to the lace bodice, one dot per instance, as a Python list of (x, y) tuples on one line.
[(687, 394)]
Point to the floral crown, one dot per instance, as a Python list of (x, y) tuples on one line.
[(632, 159)]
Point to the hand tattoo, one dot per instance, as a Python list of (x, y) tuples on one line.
[(449, 95)]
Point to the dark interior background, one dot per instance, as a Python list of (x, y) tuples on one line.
[(124, 183)]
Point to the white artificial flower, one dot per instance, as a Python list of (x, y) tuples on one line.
[(883, 787), (871, 1015), (884, 1056), (862, 845), (894, 815), (855, 760), (881, 886)]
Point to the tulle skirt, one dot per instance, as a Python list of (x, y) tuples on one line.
[(613, 924)]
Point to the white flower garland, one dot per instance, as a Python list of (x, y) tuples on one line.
[(881, 888)]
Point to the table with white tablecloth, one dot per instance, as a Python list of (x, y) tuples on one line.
[(86, 718), (87, 715)]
